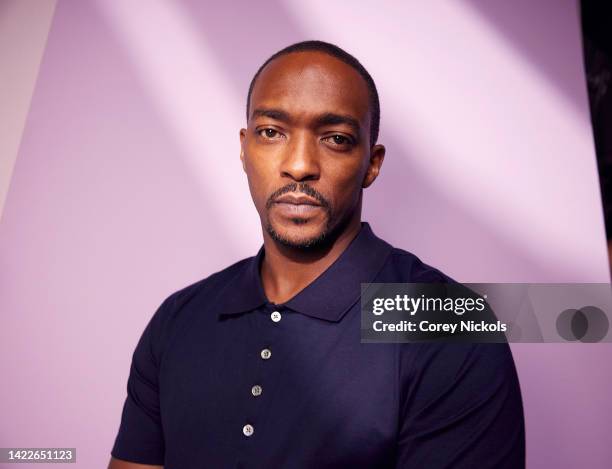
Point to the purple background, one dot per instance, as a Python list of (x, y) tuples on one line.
[(128, 186)]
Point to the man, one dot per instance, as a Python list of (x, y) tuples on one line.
[(261, 365)]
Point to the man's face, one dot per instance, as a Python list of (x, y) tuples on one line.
[(306, 150)]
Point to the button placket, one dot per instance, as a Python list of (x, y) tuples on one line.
[(265, 366)]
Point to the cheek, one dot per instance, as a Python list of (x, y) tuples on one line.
[(345, 183), (260, 179)]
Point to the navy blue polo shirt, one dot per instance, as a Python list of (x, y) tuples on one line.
[(222, 378)]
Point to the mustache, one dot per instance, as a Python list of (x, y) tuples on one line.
[(302, 187)]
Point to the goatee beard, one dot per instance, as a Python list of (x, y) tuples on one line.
[(308, 243)]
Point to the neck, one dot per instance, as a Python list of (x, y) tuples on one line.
[(285, 271)]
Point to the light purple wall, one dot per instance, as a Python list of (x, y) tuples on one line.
[(128, 173), (24, 26)]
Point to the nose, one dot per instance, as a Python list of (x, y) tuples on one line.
[(301, 161)]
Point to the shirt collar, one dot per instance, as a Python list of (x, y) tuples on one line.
[(329, 296)]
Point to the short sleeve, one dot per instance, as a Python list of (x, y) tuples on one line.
[(461, 407), (140, 438)]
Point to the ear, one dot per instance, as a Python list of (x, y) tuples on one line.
[(242, 137), (377, 156)]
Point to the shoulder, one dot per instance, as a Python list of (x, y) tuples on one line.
[(487, 363), (179, 306), (206, 286), (405, 266)]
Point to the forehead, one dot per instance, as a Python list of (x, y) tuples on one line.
[(312, 83)]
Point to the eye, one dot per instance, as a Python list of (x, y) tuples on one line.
[(339, 140), (269, 133)]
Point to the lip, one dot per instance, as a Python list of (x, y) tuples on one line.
[(297, 200), (289, 210)]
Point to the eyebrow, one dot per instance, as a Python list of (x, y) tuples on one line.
[(275, 114), (335, 119)]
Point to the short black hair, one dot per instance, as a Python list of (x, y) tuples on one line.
[(340, 54)]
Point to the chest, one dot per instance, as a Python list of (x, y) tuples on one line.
[(303, 386)]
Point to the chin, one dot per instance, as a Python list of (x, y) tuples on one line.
[(298, 233)]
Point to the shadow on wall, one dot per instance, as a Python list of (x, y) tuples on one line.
[(521, 21)]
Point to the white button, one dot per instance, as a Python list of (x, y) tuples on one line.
[(248, 430), (266, 353), (275, 316), (256, 390)]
